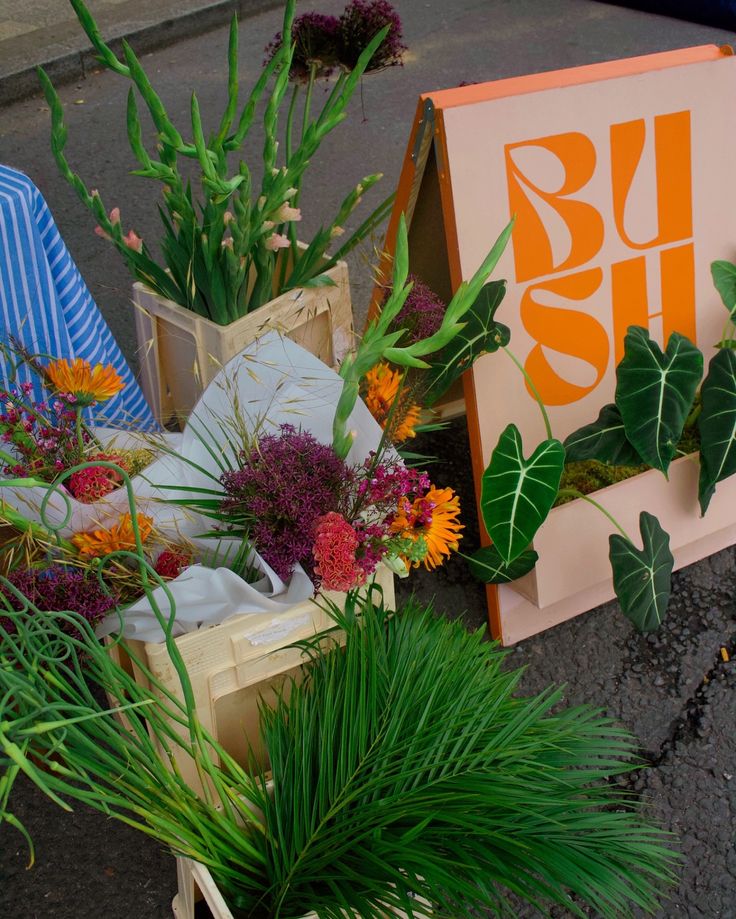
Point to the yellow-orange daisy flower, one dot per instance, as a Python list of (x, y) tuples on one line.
[(382, 388), (434, 518), (86, 383), (98, 543)]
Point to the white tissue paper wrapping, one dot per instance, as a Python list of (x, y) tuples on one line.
[(275, 382), (106, 511)]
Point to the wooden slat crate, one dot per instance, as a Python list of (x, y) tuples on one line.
[(233, 665), (181, 352)]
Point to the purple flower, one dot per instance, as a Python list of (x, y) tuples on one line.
[(284, 484), (360, 22), (315, 38), (58, 589), (422, 313)]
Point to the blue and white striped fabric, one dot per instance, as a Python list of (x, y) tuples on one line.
[(46, 305)]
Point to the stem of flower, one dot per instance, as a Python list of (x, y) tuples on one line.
[(574, 493), (79, 428), (534, 390)]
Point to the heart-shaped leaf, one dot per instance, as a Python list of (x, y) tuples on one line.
[(480, 335), (516, 493), (642, 578), (717, 423), (724, 277), (603, 440), (655, 392), (487, 565)]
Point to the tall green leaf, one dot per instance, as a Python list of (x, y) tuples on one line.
[(487, 565), (516, 493), (655, 392), (481, 334), (642, 577), (717, 424), (724, 278), (603, 440)]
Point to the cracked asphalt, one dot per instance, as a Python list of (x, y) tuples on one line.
[(673, 689)]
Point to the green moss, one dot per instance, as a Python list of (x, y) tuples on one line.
[(587, 476)]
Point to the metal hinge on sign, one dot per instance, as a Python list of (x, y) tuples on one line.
[(424, 131)]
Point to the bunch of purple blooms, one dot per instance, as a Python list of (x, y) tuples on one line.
[(283, 485), (57, 588), (422, 313), (323, 42), (289, 487)]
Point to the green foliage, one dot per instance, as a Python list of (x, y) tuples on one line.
[(642, 577), (481, 334), (219, 244), (487, 565), (379, 343), (401, 765), (717, 425), (603, 440), (724, 278), (426, 773), (516, 493), (655, 392)]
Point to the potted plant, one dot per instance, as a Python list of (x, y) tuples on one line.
[(665, 419), (233, 267), (404, 773)]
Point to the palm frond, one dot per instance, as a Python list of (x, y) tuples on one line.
[(406, 765)]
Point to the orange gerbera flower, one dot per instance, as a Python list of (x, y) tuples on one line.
[(97, 543), (381, 391), (433, 518), (86, 383)]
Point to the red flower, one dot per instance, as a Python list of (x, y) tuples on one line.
[(334, 550)]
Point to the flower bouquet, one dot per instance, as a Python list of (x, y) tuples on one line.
[(230, 246), (59, 467)]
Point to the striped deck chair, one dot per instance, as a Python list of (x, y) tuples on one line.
[(45, 304)]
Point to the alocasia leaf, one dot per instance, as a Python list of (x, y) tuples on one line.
[(724, 277), (481, 334), (655, 392), (516, 493), (717, 423), (642, 577), (603, 440), (487, 565)]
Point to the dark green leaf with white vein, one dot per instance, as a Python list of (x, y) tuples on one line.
[(603, 440), (717, 424), (642, 578), (518, 493), (655, 392), (480, 334), (724, 278), (487, 565)]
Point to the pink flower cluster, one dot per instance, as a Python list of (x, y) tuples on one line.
[(43, 436), (94, 482)]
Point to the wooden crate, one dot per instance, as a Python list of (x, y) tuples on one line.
[(232, 666), (181, 352), (195, 884)]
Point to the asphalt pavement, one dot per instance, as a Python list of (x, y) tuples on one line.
[(672, 689)]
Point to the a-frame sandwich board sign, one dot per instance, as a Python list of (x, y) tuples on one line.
[(621, 179)]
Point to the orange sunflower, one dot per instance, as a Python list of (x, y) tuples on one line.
[(382, 388), (98, 543), (433, 518), (86, 383)]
